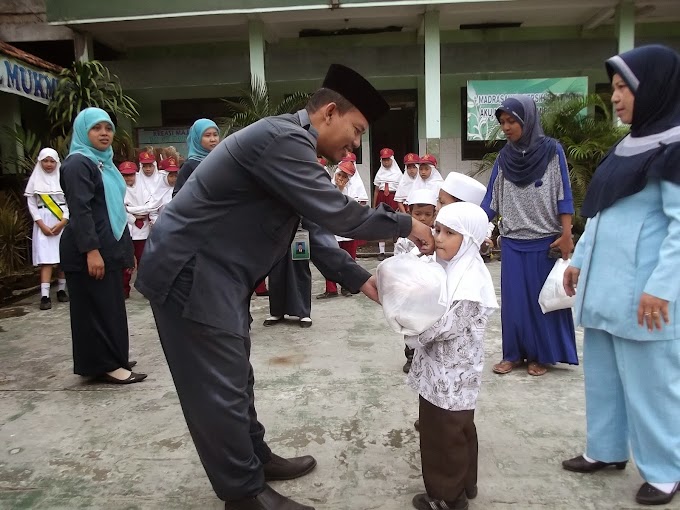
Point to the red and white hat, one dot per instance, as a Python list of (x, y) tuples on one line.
[(350, 157), (411, 159), (127, 168), (347, 167), (386, 153), (428, 159), (169, 165), (146, 157)]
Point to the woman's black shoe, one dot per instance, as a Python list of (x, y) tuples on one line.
[(581, 465), (62, 297), (45, 303), (133, 378), (650, 495), (271, 321)]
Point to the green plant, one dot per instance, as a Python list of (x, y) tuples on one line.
[(13, 234), (255, 104), (86, 84), (123, 147), (30, 143), (586, 138)]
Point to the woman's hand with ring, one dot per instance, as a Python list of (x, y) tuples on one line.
[(651, 310)]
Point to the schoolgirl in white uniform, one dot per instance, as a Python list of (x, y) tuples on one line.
[(49, 211)]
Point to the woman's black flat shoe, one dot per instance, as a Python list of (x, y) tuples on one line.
[(650, 495), (581, 465), (133, 378)]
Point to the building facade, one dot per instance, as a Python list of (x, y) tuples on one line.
[(178, 59)]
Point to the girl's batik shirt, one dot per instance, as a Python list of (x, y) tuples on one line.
[(449, 357)]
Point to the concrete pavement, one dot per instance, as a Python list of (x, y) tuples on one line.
[(335, 391)]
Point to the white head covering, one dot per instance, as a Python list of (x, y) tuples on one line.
[(355, 187), (467, 278), (149, 185), (422, 196), (164, 190), (433, 182), (464, 187), (391, 175), (405, 186), (41, 182)]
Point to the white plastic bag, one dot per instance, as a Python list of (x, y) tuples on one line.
[(552, 296), (412, 291)]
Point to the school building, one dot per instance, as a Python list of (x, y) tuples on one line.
[(177, 59)]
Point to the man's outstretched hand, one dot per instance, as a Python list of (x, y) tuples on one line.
[(370, 289), (421, 235)]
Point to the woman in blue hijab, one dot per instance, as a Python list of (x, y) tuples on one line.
[(626, 265), (203, 137), (530, 191), (95, 249)]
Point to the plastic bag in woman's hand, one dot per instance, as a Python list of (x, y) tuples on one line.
[(553, 296), (412, 292)]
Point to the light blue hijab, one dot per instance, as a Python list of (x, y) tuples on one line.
[(114, 185), (196, 150)]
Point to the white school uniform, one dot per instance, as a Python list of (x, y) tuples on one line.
[(45, 248), (163, 195), (139, 202)]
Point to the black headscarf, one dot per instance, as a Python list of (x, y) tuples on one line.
[(526, 160), (652, 73)]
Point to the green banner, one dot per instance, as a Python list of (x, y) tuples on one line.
[(485, 96)]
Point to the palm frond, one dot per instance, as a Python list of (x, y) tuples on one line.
[(255, 104)]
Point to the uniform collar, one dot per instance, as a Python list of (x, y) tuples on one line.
[(306, 123)]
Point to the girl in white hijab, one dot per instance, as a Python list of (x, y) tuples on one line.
[(355, 187), (407, 180), (448, 360), (428, 175), (149, 178), (386, 182), (47, 206)]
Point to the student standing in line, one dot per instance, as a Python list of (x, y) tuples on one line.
[(407, 181), (50, 214), (386, 182)]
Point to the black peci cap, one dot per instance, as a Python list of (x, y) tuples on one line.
[(357, 90)]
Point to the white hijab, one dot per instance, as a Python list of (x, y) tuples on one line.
[(137, 200), (433, 182), (405, 186), (467, 278), (164, 191), (149, 185), (391, 175), (355, 187), (41, 182)]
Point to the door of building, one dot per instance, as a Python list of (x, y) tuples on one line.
[(398, 130)]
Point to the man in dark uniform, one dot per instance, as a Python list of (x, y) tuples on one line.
[(235, 217)]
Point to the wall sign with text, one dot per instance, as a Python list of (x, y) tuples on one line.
[(163, 137), (485, 96), (27, 81)]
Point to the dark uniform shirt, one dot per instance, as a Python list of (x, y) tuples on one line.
[(237, 214), (89, 227)]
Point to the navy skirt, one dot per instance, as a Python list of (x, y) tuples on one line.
[(528, 334)]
